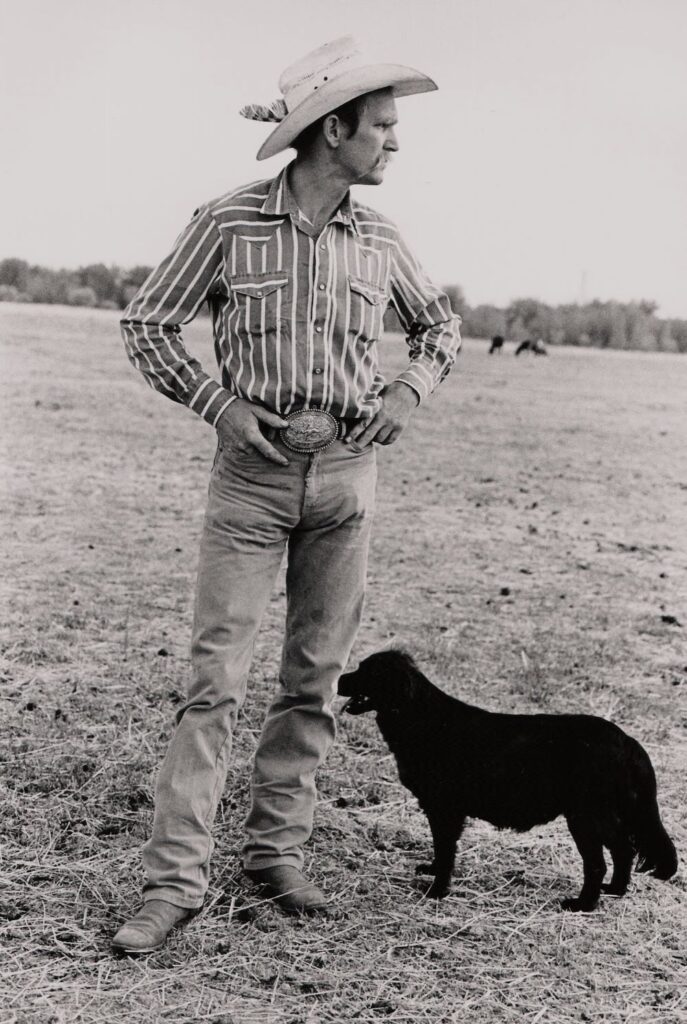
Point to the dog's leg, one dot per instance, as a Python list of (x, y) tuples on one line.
[(591, 851), (457, 828), (446, 831), (426, 869), (623, 855)]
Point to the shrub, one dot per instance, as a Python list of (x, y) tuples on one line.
[(14, 273), (82, 296)]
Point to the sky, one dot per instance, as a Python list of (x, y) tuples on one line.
[(551, 163)]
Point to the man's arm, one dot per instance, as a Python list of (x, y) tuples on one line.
[(431, 327), (172, 296), (433, 336)]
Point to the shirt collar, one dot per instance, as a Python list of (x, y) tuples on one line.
[(281, 201)]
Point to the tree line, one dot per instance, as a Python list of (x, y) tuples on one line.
[(93, 285), (631, 325), (601, 324)]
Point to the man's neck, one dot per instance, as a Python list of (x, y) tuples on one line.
[(319, 190)]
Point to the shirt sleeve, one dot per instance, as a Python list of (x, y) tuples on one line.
[(172, 296), (431, 326)]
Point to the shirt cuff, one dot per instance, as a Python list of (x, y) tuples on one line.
[(417, 377), (210, 400)]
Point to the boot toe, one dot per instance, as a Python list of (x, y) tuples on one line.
[(148, 930), (291, 890)]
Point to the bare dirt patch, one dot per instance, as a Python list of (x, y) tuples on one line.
[(530, 550)]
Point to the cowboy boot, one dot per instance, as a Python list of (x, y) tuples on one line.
[(148, 930), (290, 889)]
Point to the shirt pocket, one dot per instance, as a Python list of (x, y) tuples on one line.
[(261, 301), (368, 304)]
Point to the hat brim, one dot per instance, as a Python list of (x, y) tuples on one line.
[(345, 87)]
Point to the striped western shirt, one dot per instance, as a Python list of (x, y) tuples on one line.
[(296, 313)]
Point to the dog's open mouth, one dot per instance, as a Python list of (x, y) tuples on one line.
[(357, 705)]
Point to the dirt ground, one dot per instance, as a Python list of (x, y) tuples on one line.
[(530, 550)]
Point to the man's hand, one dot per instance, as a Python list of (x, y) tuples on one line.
[(398, 402), (239, 429)]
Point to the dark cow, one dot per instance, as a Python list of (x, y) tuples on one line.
[(537, 347)]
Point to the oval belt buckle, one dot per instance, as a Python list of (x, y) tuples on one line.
[(309, 430)]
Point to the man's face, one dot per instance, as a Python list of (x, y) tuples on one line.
[(364, 156)]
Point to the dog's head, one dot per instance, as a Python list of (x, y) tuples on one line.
[(382, 682)]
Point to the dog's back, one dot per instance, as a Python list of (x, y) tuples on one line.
[(514, 771)]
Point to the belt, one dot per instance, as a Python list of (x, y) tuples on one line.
[(312, 430)]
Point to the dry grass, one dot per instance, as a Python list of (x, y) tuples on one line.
[(530, 537)]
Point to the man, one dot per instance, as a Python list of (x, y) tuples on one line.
[(297, 276)]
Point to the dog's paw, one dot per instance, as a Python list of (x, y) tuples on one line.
[(437, 892), (613, 890), (425, 869), (577, 906)]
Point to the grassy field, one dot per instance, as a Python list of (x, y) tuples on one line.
[(530, 550)]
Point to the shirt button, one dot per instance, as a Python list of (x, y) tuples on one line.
[(318, 370), (323, 247), (318, 329), (322, 287)]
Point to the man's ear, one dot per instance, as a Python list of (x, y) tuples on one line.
[(333, 129)]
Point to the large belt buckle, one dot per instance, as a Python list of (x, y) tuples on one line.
[(309, 430)]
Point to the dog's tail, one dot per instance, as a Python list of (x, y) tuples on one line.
[(656, 852)]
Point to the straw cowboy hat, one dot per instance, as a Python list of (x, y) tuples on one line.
[(323, 80)]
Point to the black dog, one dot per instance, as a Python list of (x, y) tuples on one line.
[(515, 771)]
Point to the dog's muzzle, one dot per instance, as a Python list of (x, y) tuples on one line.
[(357, 705), (311, 430)]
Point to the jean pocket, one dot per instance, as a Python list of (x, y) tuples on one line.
[(228, 460)]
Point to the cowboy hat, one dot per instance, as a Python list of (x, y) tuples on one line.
[(323, 80)]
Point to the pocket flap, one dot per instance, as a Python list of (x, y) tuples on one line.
[(369, 291), (257, 286)]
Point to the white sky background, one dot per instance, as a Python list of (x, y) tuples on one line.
[(551, 163)]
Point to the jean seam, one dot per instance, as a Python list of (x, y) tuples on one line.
[(212, 810)]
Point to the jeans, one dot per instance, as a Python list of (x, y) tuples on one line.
[(319, 510)]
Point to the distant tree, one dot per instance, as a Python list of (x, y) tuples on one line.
[(104, 282), (50, 286), (556, 330), (484, 322), (618, 332), (132, 281), (665, 341), (598, 320), (136, 275), (643, 328), (14, 272), (678, 330), (10, 293), (524, 313), (82, 295), (516, 329), (456, 297)]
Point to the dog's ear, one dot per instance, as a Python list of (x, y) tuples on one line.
[(407, 682), (399, 680)]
